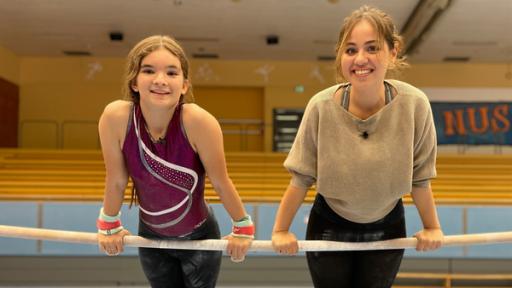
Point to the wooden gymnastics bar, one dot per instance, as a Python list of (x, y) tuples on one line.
[(447, 280), (257, 245)]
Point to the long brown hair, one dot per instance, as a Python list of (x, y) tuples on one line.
[(133, 62)]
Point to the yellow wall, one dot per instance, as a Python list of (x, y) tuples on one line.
[(240, 114), (60, 98), (59, 94), (278, 89), (9, 66), (61, 90), (458, 75)]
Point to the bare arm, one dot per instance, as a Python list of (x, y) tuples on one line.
[(290, 203), (431, 237), (112, 124), (284, 241), (116, 175), (205, 136)]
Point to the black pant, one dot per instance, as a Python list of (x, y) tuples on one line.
[(182, 268), (357, 269)]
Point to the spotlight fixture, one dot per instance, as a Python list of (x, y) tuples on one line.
[(116, 36), (272, 40)]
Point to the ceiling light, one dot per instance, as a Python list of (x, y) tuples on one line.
[(272, 40), (116, 36)]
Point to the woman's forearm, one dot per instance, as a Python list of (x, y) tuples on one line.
[(424, 201), (290, 203)]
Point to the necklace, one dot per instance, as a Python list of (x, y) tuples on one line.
[(345, 97), (160, 140), (345, 101)]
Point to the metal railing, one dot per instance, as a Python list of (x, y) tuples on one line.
[(241, 127)]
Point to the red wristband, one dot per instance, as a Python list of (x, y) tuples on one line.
[(104, 225), (247, 230)]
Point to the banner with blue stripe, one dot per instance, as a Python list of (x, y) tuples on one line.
[(477, 123)]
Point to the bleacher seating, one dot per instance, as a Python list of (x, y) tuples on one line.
[(63, 175)]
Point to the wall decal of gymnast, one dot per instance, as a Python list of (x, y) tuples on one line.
[(478, 123)]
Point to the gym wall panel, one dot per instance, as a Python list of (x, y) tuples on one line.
[(238, 110), (80, 217), (39, 133), (18, 214), (487, 220), (66, 91)]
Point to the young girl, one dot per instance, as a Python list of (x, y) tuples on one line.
[(366, 143), (167, 146)]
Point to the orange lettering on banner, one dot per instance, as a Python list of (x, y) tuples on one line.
[(484, 119), (454, 123), (500, 113)]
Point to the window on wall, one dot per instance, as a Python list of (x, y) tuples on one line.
[(286, 123)]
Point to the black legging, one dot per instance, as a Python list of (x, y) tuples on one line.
[(182, 268), (357, 269)]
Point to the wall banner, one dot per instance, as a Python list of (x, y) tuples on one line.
[(476, 123)]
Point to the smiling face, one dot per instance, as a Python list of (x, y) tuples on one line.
[(160, 80), (365, 57)]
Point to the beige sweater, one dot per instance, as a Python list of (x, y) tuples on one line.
[(362, 179)]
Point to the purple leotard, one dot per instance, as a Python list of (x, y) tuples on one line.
[(168, 176)]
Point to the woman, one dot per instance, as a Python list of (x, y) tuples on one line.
[(365, 143)]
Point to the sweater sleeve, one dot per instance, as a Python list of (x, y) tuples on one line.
[(302, 158), (425, 147)]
